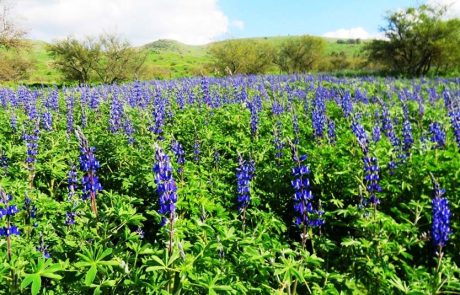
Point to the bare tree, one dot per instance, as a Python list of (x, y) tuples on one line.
[(11, 35), (14, 63)]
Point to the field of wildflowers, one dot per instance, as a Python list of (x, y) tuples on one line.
[(242, 185)]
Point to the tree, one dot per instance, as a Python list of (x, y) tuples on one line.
[(416, 39), (300, 54), (13, 63), (106, 59), (448, 59), (75, 59), (241, 57), (11, 35), (119, 61)]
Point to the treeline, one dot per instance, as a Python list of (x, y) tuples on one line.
[(295, 55), (348, 41), (417, 42)]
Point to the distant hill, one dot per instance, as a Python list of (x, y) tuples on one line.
[(163, 45), (172, 59)]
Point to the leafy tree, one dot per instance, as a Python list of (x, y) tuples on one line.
[(448, 58), (106, 59), (119, 61), (75, 59), (416, 39), (241, 57), (300, 54)]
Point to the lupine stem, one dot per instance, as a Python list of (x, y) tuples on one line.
[(171, 233), (440, 255), (170, 249), (8, 240), (93, 194), (312, 241), (294, 288), (243, 219), (304, 236), (436, 283), (93, 203)]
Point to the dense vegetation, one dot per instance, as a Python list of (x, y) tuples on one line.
[(419, 41), (249, 184), (105, 60)]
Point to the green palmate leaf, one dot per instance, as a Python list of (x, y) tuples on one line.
[(350, 243), (51, 276), (97, 291), (158, 260), (27, 281), (109, 283), (33, 279), (36, 285), (104, 254), (110, 262), (90, 275), (43, 268)]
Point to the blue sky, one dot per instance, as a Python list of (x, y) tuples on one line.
[(271, 17), (203, 21)]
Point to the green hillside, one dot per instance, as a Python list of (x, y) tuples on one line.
[(173, 59), (169, 58), (44, 71)]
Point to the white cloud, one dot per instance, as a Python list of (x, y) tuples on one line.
[(353, 33), (453, 6), (139, 21), (239, 24)]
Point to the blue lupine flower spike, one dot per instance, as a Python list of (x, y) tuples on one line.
[(440, 227), (89, 165)]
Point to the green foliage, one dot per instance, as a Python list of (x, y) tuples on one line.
[(44, 268), (14, 65), (418, 40), (300, 55), (241, 57), (106, 60), (359, 250)]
